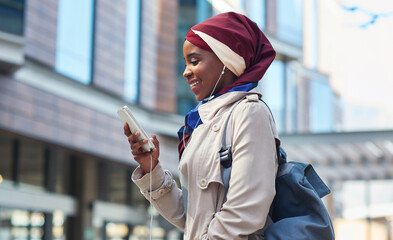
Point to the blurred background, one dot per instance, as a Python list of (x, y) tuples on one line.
[(66, 66)]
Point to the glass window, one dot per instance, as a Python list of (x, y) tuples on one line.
[(115, 186), (31, 163), (132, 50), (256, 11), (116, 231), (190, 13), (21, 224), (12, 16), (74, 39), (290, 21), (204, 10), (292, 96), (273, 88), (118, 180), (137, 199), (321, 106), (59, 225), (187, 17)]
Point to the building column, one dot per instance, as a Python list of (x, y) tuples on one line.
[(85, 188), (158, 55)]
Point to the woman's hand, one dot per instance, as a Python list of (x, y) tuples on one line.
[(140, 155)]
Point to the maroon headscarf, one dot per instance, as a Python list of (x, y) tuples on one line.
[(251, 48), (241, 35)]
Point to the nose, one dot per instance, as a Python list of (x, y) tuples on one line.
[(187, 72)]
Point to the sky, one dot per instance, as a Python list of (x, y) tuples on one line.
[(356, 52)]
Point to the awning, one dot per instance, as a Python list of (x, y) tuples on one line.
[(344, 156)]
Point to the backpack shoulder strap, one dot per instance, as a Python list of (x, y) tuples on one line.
[(226, 146), (227, 133), (226, 149)]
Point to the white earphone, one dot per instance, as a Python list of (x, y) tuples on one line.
[(223, 69)]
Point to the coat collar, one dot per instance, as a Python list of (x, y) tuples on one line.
[(208, 110)]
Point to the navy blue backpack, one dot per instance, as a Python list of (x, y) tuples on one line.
[(297, 211)]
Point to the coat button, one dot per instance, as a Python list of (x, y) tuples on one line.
[(203, 182), (216, 128), (161, 192), (169, 184)]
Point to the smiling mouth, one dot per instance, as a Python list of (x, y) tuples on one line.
[(195, 83)]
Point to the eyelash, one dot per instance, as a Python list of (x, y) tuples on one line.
[(194, 63)]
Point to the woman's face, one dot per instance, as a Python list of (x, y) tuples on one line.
[(203, 69)]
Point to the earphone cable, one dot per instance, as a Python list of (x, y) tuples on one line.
[(209, 98), (151, 206)]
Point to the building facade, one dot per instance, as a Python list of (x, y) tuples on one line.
[(67, 66)]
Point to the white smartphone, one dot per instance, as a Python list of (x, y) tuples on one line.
[(126, 115)]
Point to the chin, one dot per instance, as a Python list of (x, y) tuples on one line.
[(199, 98)]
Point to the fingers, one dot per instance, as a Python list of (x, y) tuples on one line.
[(137, 147), (127, 131), (133, 138), (142, 156)]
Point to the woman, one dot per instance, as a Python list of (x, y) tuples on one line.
[(225, 56)]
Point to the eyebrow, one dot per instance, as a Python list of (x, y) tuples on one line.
[(192, 54)]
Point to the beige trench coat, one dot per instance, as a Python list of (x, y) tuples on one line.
[(254, 166)]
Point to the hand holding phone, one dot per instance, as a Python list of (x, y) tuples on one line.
[(126, 115)]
